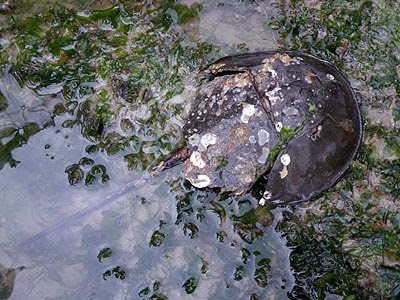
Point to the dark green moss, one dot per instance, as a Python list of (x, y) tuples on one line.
[(390, 172), (190, 285), (190, 230), (118, 273), (238, 275), (104, 254), (262, 272), (157, 239)]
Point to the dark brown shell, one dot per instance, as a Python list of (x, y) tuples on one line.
[(284, 114)]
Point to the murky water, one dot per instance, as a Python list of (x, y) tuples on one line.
[(93, 94)]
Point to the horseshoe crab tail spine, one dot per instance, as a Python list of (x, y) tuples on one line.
[(79, 214)]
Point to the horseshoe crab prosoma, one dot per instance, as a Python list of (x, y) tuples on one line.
[(285, 114)]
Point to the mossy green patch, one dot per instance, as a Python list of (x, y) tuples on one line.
[(107, 61)]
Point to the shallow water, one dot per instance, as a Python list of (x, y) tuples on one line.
[(64, 264), (119, 103)]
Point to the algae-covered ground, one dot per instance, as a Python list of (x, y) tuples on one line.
[(113, 80)]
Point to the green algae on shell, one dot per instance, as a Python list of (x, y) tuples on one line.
[(291, 104)]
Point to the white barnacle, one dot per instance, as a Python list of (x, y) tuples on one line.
[(201, 181), (248, 111), (196, 160), (263, 137), (273, 95), (273, 73), (278, 126), (194, 139), (330, 76), (208, 139), (285, 159), (267, 195), (252, 139)]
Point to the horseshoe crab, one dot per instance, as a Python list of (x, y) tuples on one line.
[(283, 114)]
